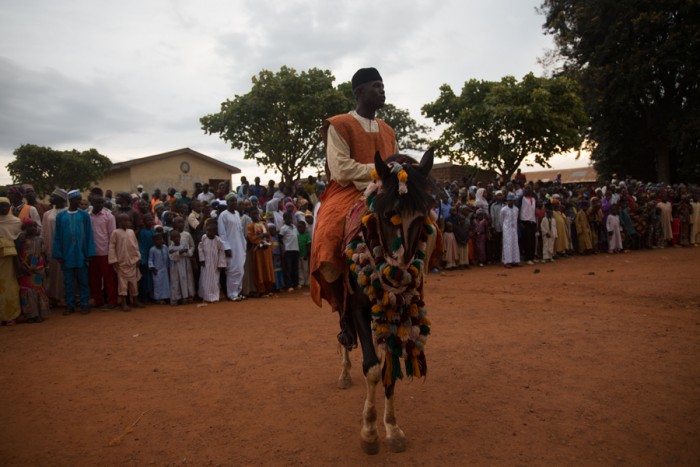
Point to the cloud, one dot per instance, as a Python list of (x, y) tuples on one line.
[(49, 108)]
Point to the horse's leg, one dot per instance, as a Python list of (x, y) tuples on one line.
[(395, 437), (345, 381), (359, 305), (369, 439)]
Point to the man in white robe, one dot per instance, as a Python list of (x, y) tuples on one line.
[(231, 233), (548, 228), (509, 222)]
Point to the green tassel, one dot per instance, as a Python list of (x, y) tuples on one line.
[(396, 372), (396, 244)]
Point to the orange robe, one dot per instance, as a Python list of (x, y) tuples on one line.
[(263, 267)]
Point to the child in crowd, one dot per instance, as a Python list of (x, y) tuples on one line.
[(261, 257), (614, 231), (212, 261), (304, 240), (158, 263), (32, 266), (451, 254), (288, 236), (125, 257), (548, 229), (481, 229), (180, 269), (461, 232), (180, 224), (145, 238), (277, 261)]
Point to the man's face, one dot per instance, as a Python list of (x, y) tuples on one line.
[(371, 94), (231, 204), (74, 203), (30, 194), (98, 203)]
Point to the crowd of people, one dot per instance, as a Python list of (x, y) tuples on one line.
[(524, 222), (132, 249)]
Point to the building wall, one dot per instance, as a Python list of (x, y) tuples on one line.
[(116, 180), (163, 174)]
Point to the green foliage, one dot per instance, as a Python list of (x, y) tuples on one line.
[(277, 122), (46, 168), (638, 63), (499, 124)]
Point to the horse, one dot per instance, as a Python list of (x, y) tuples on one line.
[(384, 309)]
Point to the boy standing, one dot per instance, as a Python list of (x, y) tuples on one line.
[(158, 264), (125, 257), (548, 228), (212, 261), (304, 240), (180, 269), (288, 236)]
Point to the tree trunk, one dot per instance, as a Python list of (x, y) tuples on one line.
[(663, 164)]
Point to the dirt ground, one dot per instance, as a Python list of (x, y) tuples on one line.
[(590, 361)]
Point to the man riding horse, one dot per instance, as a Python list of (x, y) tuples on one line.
[(371, 251), (352, 140)]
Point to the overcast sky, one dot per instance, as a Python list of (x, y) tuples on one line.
[(132, 78)]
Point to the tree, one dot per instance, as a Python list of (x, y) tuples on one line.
[(277, 122), (638, 64), (46, 168), (410, 135), (499, 124)]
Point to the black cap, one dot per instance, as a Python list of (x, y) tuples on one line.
[(365, 75)]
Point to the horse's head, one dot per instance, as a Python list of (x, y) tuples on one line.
[(403, 201)]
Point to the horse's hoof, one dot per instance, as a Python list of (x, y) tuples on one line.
[(396, 444), (370, 448), (344, 383)]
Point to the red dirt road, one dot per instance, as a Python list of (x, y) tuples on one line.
[(591, 361)]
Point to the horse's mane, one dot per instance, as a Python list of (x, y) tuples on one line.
[(418, 198)]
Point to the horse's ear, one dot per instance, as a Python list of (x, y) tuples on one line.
[(426, 162), (380, 166)]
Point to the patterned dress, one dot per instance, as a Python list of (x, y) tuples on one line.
[(33, 298)]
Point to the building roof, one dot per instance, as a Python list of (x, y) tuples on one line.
[(177, 152), (585, 174)]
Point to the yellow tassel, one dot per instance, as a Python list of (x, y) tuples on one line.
[(374, 174), (366, 218), (386, 272), (363, 279), (402, 333), (385, 299), (425, 321), (403, 176), (416, 368), (382, 329), (413, 310), (387, 373), (396, 219), (377, 308), (389, 314)]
